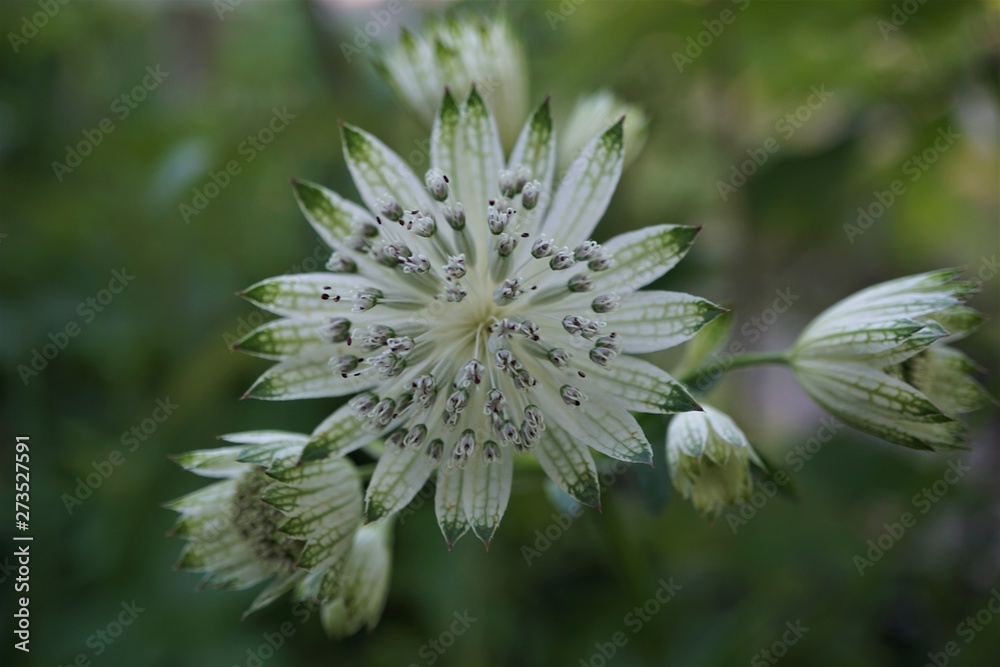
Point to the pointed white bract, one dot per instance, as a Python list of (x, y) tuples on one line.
[(710, 459), (459, 53), (595, 113), (473, 319), (877, 360)]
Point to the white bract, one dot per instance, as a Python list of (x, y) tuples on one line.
[(710, 459), (459, 53), (473, 318), (876, 360)]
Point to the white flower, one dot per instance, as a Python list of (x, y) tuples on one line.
[(459, 53), (709, 459), (363, 582), (268, 517), (595, 113), (477, 320), (869, 360)]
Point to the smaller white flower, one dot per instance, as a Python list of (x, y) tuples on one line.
[(363, 582), (594, 114), (460, 53), (268, 517), (875, 361), (710, 459)]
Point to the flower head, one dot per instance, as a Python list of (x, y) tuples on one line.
[(473, 318), (458, 53), (710, 459), (877, 360), (269, 518)]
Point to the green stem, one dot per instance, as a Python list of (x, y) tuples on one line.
[(758, 358), (746, 359)]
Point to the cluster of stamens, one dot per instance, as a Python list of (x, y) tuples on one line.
[(468, 298)]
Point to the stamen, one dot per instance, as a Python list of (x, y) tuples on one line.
[(586, 250), (344, 364), (530, 195), (605, 303), (495, 402), (454, 216), (572, 396), (542, 247), (340, 264), (415, 264), (457, 401), (376, 335), (390, 208), (338, 329), (580, 283), (455, 268), (424, 225), (562, 260), (559, 358), (530, 330), (364, 404), (435, 450), (454, 293), (424, 391), (401, 344), (506, 244), (510, 290), (437, 184), (416, 436), (472, 373), (491, 452)]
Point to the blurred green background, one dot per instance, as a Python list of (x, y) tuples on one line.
[(897, 73)]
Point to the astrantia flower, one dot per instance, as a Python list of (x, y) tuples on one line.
[(475, 319), (595, 113), (459, 53), (710, 459), (875, 360), (363, 582), (269, 517)]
